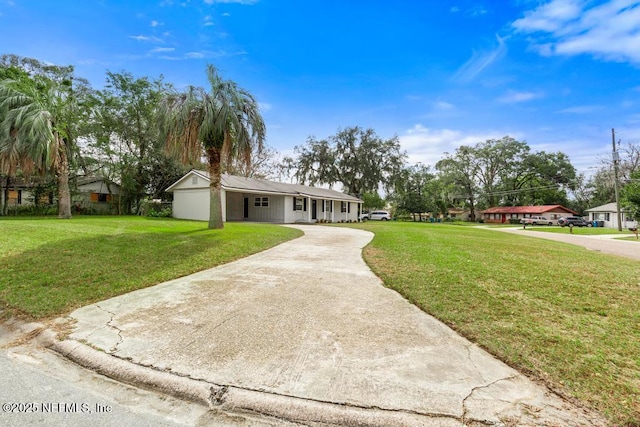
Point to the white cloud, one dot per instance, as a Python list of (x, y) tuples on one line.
[(442, 105), (163, 49), (610, 30), (428, 146), (142, 38), (265, 106), (581, 109), (514, 97), (479, 61), (156, 24)]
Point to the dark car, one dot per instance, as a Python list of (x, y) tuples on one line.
[(576, 221)]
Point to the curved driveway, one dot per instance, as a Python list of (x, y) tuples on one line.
[(306, 332)]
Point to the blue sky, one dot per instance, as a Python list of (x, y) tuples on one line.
[(558, 74)]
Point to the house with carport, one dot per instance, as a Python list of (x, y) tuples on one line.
[(503, 214), (260, 200)]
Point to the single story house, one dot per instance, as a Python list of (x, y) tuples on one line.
[(250, 199), (459, 214), (609, 214), (502, 214), (95, 195), (22, 193)]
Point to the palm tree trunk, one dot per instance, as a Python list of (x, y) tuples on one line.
[(62, 173), (215, 188), (5, 205)]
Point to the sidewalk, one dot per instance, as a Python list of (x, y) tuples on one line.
[(305, 332)]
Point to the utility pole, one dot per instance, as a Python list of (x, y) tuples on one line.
[(616, 159)]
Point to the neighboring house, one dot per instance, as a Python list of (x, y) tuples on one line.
[(459, 214), (249, 199), (20, 193), (502, 214), (96, 196), (609, 214)]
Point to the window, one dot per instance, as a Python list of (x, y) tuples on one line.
[(328, 205), (15, 197), (100, 197), (343, 206), (261, 201), (298, 203)]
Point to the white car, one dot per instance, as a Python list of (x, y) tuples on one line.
[(380, 216), (538, 220)]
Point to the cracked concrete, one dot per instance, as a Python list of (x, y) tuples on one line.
[(307, 333)]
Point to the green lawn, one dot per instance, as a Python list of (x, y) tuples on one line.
[(558, 312), (51, 266)]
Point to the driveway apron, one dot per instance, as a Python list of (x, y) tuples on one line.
[(309, 321)]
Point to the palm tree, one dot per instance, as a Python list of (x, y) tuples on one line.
[(34, 125), (225, 122)]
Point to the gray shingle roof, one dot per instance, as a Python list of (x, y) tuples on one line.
[(240, 183)]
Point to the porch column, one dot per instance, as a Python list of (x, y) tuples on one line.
[(310, 206)]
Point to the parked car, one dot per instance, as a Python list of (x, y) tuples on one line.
[(380, 216), (537, 220), (364, 216), (576, 221)]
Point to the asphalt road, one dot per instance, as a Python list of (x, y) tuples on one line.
[(40, 388), (605, 243)]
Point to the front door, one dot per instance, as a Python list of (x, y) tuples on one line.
[(314, 209), (246, 208)]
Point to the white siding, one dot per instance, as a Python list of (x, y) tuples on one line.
[(272, 213), (191, 204), (289, 214), (191, 201)]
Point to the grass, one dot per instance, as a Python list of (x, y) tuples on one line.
[(51, 266), (562, 314), (555, 311)]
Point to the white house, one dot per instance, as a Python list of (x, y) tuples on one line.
[(249, 199), (609, 214)]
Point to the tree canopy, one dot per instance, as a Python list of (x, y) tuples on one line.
[(356, 158), (224, 122), (630, 196), (39, 121)]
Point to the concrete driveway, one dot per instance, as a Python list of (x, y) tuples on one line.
[(305, 332)]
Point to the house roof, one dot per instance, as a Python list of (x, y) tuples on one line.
[(263, 186), (609, 207), (528, 209)]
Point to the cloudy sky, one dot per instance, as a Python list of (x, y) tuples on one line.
[(558, 74)]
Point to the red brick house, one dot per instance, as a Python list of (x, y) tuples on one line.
[(502, 214)]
